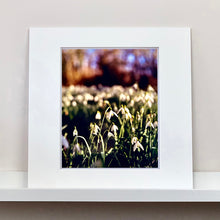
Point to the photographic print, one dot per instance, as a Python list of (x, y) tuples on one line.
[(107, 115), (109, 108)]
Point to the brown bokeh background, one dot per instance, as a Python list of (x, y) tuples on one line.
[(110, 67)]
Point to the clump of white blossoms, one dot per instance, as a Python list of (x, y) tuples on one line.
[(137, 144), (94, 128), (125, 112)]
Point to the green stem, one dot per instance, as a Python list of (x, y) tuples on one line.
[(104, 118), (103, 147), (86, 144)]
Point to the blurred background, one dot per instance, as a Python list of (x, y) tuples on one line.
[(110, 67)]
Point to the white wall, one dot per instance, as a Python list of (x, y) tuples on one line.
[(16, 17)]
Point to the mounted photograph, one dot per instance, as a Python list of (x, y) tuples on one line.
[(110, 111), (109, 108)]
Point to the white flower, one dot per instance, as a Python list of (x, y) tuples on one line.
[(96, 99), (122, 97), (150, 89), (131, 91), (74, 103), (79, 98), (75, 132), (66, 101), (150, 99), (98, 115), (134, 140), (133, 129), (69, 96), (128, 98), (100, 103), (125, 111), (114, 128), (135, 86), (128, 116), (77, 149), (132, 102), (149, 124), (138, 145), (155, 124), (110, 135), (65, 143), (71, 88), (110, 114), (94, 128), (122, 110), (88, 97)]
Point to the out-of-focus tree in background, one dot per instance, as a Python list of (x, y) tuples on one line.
[(109, 67)]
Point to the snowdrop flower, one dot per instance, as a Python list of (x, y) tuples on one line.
[(128, 98), (155, 124), (134, 140), (131, 91), (69, 96), (132, 102), (128, 116), (114, 128), (88, 97), (74, 103), (135, 86), (110, 135), (110, 114), (149, 99), (150, 89), (125, 111), (133, 129), (77, 149), (98, 115), (85, 102), (96, 99), (122, 97), (94, 128), (79, 98), (65, 143), (75, 132), (66, 101), (122, 110), (71, 88), (138, 145), (149, 124)]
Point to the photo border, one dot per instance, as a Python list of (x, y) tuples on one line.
[(174, 106)]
